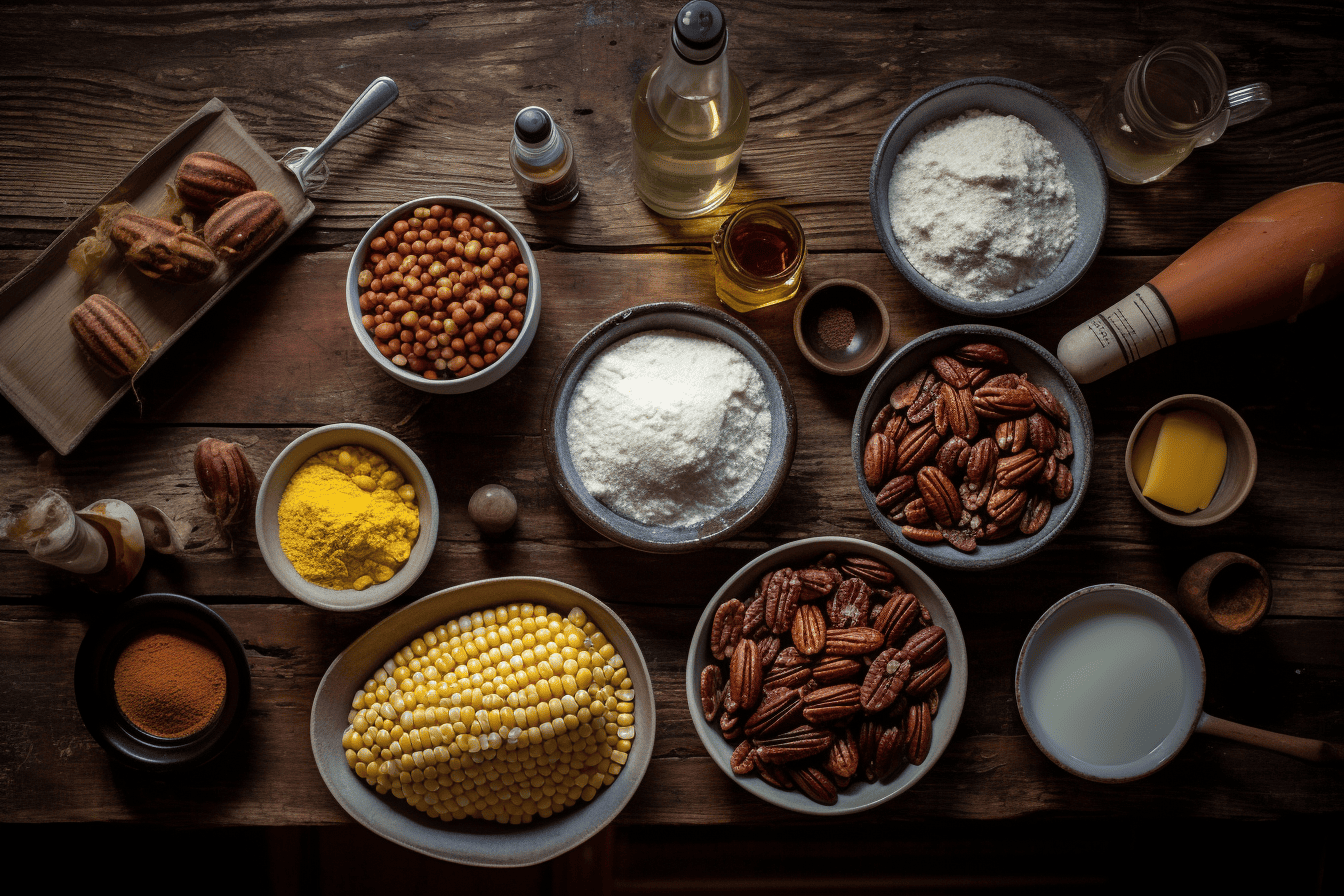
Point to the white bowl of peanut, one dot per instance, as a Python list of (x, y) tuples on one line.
[(444, 294)]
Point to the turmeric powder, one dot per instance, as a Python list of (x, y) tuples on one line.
[(348, 519)]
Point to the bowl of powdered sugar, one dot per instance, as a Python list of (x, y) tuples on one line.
[(989, 196), (670, 427)]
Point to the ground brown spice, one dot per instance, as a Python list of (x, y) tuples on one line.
[(169, 684), (835, 326)]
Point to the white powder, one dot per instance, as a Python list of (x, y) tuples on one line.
[(669, 428), (982, 206)]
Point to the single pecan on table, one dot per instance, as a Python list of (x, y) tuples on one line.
[(840, 683), (969, 450)]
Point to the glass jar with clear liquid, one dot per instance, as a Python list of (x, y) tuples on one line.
[(689, 119), (1173, 100)]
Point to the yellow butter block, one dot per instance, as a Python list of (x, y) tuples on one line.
[(1142, 459), (1188, 461)]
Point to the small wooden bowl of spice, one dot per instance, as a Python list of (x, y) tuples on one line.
[(841, 327), (162, 684)]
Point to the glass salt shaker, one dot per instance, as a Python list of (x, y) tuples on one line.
[(1173, 100)]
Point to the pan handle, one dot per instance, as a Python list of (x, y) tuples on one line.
[(1302, 747), (375, 98)]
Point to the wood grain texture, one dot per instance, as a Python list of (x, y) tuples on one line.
[(824, 83), (277, 357)]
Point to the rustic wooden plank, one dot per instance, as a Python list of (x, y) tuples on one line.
[(52, 770), (824, 84)]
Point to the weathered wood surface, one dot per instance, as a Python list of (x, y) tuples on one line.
[(277, 357)]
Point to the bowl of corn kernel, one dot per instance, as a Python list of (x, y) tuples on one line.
[(499, 723), (347, 517)]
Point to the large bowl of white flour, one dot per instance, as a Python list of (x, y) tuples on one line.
[(989, 196), (670, 427)]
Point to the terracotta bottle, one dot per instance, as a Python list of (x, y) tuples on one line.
[(1269, 263)]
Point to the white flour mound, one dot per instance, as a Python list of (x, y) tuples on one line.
[(669, 428), (982, 206)]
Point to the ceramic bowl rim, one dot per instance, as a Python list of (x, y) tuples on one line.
[(1028, 300), (621, 325), (861, 362), (951, 705), (379, 813), (1188, 647), (1193, 401), (268, 502), (1080, 429), (96, 703), (452, 385)]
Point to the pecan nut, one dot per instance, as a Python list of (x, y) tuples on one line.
[(809, 630), (162, 250), (885, 680), (1035, 514), (781, 600), (243, 225), (1019, 469), (919, 733), (842, 760), (924, 680), (815, 783), (997, 400), (745, 676), (226, 479), (835, 669), (897, 491), (926, 645), (951, 370), (206, 180), (817, 582), (109, 336), (831, 703), (853, 641), (743, 760), (778, 710), (940, 496), (869, 569), (1041, 433), (794, 745), (1012, 435), (849, 605), (984, 457), (981, 354), (1005, 506), (1047, 402), (711, 691), (726, 629), (919, 444), (897, 615)]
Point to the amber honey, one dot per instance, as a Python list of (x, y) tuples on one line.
[(758, 257)]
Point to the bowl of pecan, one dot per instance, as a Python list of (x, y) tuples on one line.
[(973, 447), (444, 294), (827, 676)]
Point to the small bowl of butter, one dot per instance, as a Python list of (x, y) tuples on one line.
[(1191, 460)]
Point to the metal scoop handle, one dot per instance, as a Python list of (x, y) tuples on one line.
[(375, 98)]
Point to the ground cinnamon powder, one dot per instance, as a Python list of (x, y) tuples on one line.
[(169, 684)]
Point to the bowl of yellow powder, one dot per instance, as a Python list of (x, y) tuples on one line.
[(347, 517)]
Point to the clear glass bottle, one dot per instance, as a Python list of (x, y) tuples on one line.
[(689, 119), (759, 252), (542, 158)]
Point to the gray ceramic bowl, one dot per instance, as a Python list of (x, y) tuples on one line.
[(860, 795), (1027, 357), (283, 468), (452, 385), (472, 841), (692, 319), (1238, 476), (1090, 606), (1082, 160)]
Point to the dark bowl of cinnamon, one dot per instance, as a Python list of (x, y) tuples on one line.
[(162, 683), (841, 327)]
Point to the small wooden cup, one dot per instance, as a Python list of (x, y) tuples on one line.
[(1228, 593), (872, 327)]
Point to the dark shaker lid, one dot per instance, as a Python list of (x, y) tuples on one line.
[(699, 34), (532, 126)]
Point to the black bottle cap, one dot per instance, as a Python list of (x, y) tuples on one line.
[(699, 33), (532, 126)]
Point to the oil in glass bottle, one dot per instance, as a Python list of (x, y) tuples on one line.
[(689, 119)]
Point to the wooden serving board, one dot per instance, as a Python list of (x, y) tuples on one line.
[(43, 371)]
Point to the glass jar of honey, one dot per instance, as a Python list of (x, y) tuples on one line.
[(758, 257)]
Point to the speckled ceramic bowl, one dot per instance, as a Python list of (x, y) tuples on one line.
[(689, 318), (859, 795), (1082, 161), (1027, 357), (472, 841)]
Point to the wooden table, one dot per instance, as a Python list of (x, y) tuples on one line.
[(88, 89)]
